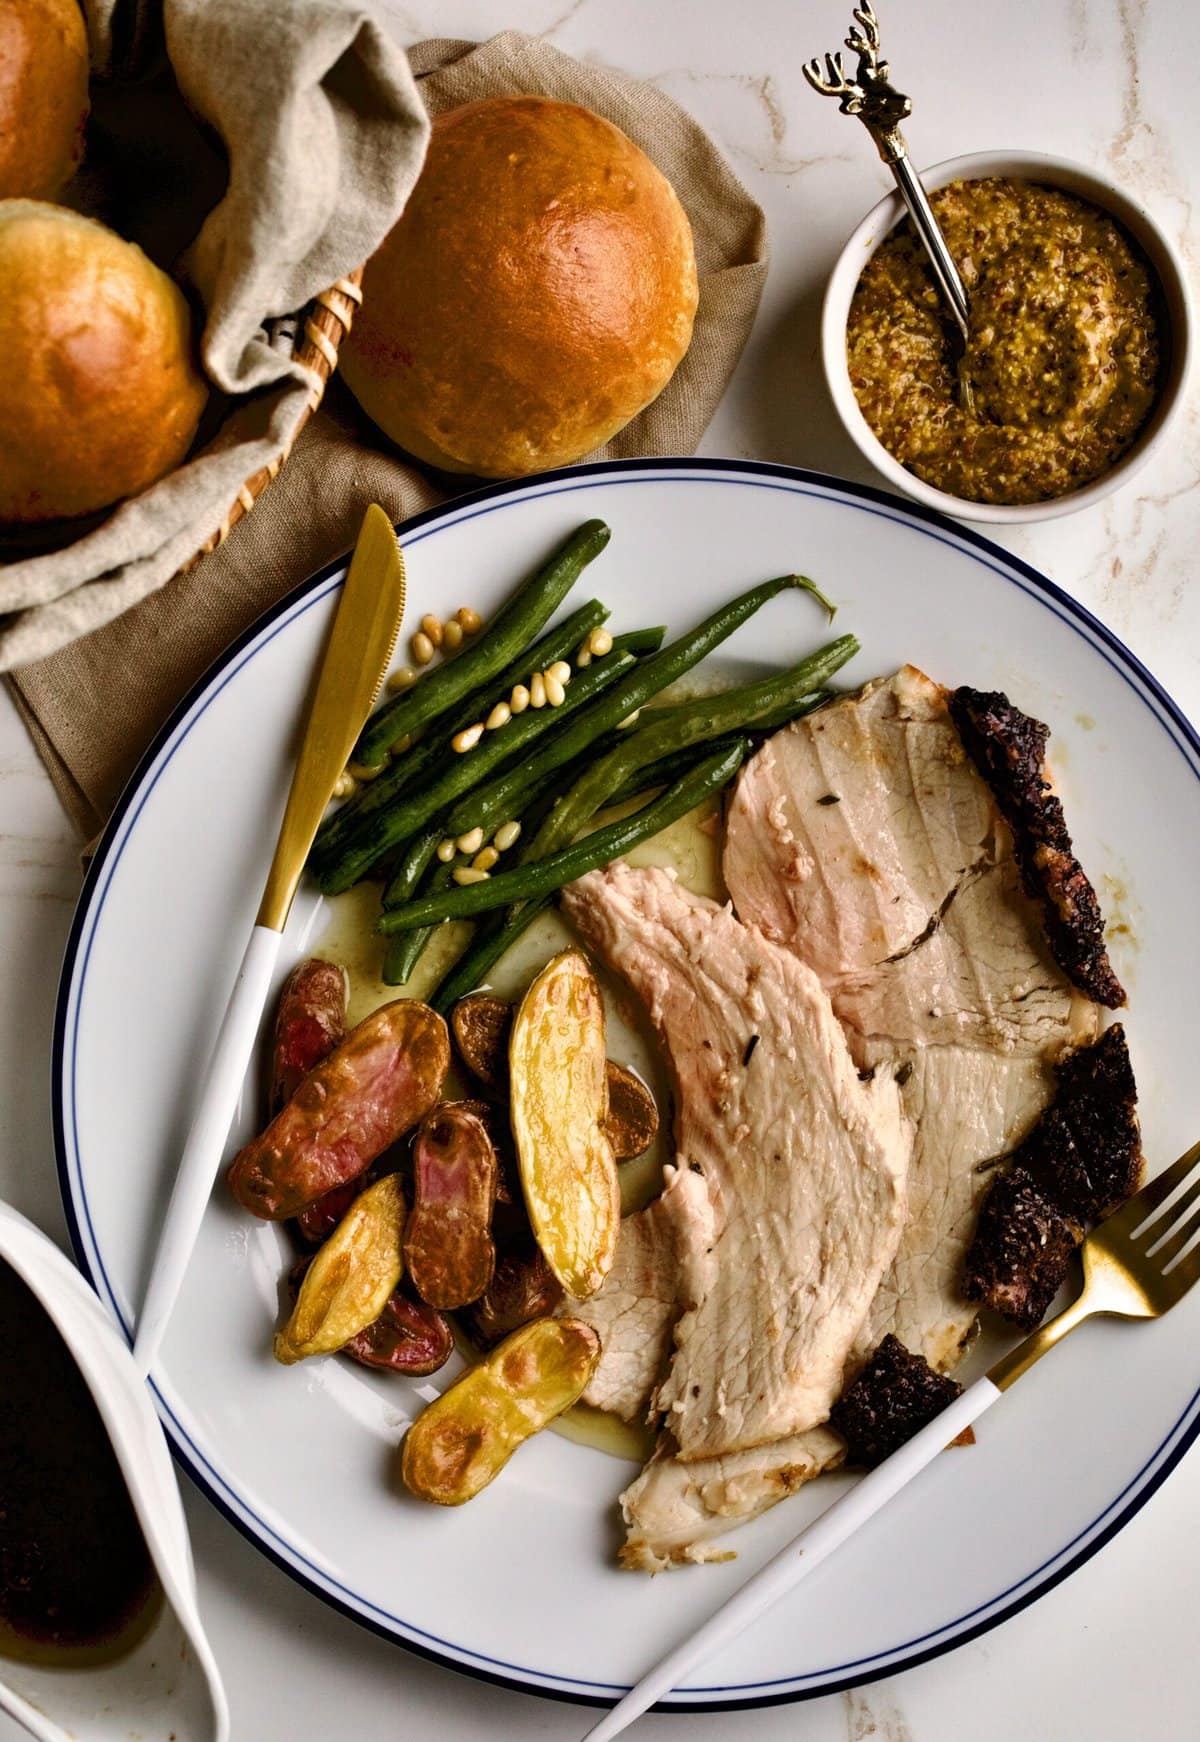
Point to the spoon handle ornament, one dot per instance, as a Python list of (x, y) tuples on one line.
[(871, 96)]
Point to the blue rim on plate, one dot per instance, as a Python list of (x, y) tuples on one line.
[(906, 1655)]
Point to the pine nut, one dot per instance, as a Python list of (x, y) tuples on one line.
[(452, 635), (485, 860), (471, 621), (343, 786), (403, 744), (447, 849), (630, 721), (537, 690), (506, 835), (500, 715), (600, 642), (519, 700), (471, 841), (421, 648), (402, 679), (583, 655), (556, 695), (364, 771), (433, 628), (561, 670), (467, 874), (468, 737)]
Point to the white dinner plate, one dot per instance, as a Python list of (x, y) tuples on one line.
[(521, 1586)]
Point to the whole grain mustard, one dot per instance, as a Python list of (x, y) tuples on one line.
[(1062, 359)]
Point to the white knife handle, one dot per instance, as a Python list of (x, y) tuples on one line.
[(802, 1556), (205, 1146)]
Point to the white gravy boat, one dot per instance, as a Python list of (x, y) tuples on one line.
[(168, 1686)]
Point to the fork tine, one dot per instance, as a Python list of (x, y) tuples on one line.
[(1165, 1220), (1155, 1193), (1172, 1247), (1184, 1276)]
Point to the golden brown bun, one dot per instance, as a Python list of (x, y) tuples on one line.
[(101, 395), (537, 293), (43, 95)]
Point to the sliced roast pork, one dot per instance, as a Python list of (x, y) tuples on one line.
[(864, 839), (635, 1310), (905, 896), (786, 1198)]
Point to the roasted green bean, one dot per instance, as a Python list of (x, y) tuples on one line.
[(510, 630), (461, 773), (497, 797), (689, 723), (543, 876), (412, 767)]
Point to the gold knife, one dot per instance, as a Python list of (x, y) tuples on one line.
[(356, 659)]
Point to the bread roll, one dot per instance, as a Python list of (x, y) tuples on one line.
[(43, 95), (537, 293), (101, 395)]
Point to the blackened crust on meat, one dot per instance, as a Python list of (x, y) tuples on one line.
[(894, 1396), (1009, 750), (1085, 1150), (1018, 1259)]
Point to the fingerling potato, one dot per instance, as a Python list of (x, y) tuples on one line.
[(309, 1022), (351, 1278), (382, 1079), (408, 1337), (482, 1026), (448, 1244), (463, 1440), (559, 1098), (631, 1123), (522, 1288)]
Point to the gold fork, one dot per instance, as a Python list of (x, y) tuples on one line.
[(1135, 1266), (1132, 1265)]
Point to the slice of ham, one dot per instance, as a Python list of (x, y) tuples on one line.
[(786, 1199)]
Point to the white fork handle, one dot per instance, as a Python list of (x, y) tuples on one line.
[(206, 1141), (802, 1556)]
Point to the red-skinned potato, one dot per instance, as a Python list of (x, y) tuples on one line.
[(378, 1084), (523, 1288), (408, 1337), (448, 1244), (310, 1022), (494, 1120), (317, 1221)]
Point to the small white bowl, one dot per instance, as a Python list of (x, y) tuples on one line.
[(1072, 178)]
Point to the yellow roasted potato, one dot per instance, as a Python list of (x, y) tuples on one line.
[(558, 1084), (482, 1026), (351, 1279), (463, 1440)]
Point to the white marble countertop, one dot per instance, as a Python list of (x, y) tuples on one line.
[(1111, 1652)]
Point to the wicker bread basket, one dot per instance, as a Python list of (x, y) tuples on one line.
[(323, 325)]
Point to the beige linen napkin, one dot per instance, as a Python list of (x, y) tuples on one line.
[(93, 706)]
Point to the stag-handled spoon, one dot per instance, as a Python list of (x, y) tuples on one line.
[(880, 107)]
